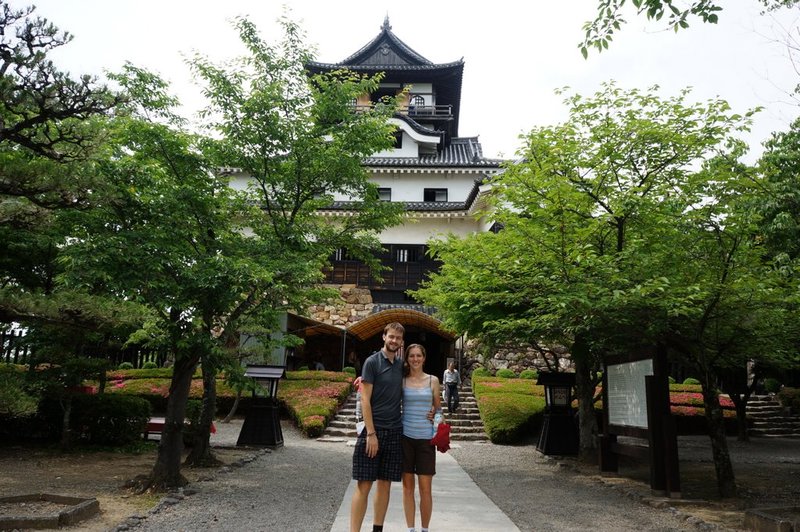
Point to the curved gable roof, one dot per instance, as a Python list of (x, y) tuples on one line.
[(387, 52), (386, 49)]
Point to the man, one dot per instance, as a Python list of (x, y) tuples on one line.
[(378, 453), (452, 380)]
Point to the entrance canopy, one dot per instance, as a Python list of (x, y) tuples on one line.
[(370, 326), (373, 325)]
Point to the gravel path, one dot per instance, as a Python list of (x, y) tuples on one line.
[(296, 487), (300, 487), (539, 493)]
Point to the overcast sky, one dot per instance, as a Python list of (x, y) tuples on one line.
[(516, 53)]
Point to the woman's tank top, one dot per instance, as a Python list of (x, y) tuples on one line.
[(417, 403)]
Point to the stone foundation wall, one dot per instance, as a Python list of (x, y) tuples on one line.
[(356, 303), (516, 358)]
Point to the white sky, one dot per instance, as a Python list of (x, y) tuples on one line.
[(516, 52)]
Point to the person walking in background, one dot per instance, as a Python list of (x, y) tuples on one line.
[(452, 381), (421, 396), (353, 360), (378, 454)]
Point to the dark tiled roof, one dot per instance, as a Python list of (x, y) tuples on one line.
[(463, 151), (416, 126), (385, 51), (410, 205)]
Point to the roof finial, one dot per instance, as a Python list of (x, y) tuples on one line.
[(386, 26)]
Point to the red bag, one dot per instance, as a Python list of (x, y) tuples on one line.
[(442, 438)]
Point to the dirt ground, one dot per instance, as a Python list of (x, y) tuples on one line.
[(25, 470), (767, 473)]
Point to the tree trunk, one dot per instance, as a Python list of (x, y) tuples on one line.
[(233, 408), (741, 419), (587, 420), (166, 473), (66, 432), (201, 455), (726, 482)]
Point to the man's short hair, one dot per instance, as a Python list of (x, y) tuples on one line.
[(396, 326)]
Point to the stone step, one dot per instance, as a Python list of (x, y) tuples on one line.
[(777, 420), (760, 410), (775, 433), (770, 419)]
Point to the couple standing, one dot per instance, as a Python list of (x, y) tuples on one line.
[(395, 443)]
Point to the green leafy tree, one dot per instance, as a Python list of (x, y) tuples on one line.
[(207, 257), (610, 225), (677, 14), (50, 138)]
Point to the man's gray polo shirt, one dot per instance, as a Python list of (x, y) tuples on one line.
[(387, 389)]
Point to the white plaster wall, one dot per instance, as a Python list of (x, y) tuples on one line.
[(239, 181), (411, 187), (421, 230), (410, 149)]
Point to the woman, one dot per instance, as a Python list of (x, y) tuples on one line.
[(421, 397)]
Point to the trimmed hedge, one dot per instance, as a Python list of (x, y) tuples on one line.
[(505, 373), (510, 417), (511, 409), (311, 398)]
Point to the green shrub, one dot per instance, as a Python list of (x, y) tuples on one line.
[(194, 407), (672, 380), (790, 397), (691, 380), (772, 385), (489, 385), (152, 373), (529, 374), (15, 400), (685, 388), (125, 365), (509, 417), (350, 370), (149, 365), (480, 372), (505, 373), (109, 419)]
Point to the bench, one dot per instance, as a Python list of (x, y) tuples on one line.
[(155, 425)]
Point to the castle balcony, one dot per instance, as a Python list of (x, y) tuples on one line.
[(418, 112)]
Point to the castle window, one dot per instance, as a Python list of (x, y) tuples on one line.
[(398, 139), (385, 194), (435, 194), (406, 254), (418, 101)]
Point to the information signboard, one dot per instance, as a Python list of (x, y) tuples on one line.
[(627, 398)]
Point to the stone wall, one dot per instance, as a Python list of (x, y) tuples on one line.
[(356, 303), (516, 358)]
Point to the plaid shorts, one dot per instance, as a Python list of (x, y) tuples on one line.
[(419, 456), (387, 464)]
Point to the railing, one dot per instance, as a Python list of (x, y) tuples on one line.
[(426, 111)]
